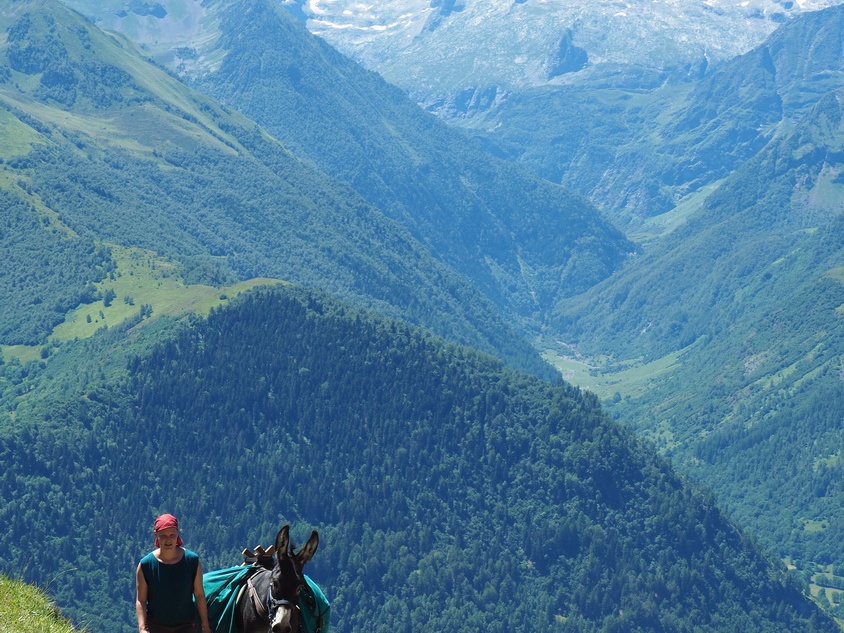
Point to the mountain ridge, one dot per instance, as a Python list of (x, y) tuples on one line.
[(501, 43), (410, 456), (747, 292)]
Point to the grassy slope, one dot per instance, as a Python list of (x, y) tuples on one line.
[(151, 108), (27, 609), (142, 278)]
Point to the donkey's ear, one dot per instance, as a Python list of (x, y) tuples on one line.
[(308, 549), (282, 540)]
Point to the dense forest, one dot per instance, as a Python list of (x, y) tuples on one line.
[(45, 273), (451, 493)]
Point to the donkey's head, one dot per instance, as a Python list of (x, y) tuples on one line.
[(287, 581)]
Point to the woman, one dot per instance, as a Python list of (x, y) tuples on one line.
[(170, 597)]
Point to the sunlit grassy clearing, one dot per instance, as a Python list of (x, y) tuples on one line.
[(16, 138), (594, 376), (142, 278), (661, 225)]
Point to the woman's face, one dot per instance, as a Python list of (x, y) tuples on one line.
[(167, 538)]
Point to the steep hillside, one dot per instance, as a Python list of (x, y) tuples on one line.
[(521, 240), (103, 147), (45, 273), (25, 609), (751, 291), (450, 493), (574, 89), (457, 50)]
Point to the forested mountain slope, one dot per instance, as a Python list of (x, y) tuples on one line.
[(102, 147), (523, 241), (450, 493), (751, 290)]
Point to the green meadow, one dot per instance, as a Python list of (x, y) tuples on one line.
[(608, 379), (143, 282)]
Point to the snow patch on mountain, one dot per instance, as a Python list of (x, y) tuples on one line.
[(445, 46), (364, 23)]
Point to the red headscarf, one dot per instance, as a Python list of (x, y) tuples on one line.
[(165, 522)]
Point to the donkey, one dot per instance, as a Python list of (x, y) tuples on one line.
[(271, 602)]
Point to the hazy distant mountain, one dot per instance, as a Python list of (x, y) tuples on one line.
[(522, 241), (545, 82), (637, 144), (437, 48)]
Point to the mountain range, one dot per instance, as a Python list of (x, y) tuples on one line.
[(642, 143), (757, 324), (460, 49), (449, 492), (154, 183), (524, 242), (252, 152)]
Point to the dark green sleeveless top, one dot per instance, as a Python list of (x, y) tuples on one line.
[(170, 597)]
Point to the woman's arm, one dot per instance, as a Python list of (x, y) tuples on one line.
[(141, 599), (201, 605)]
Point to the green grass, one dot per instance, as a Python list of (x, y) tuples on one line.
[(825, 595), (134, 124), (16, 138), (142, 278), (26, 609), (140, 129), (614, 381), (145, 278), (837, 274), (813, 526), (651, 229), (605, 379)]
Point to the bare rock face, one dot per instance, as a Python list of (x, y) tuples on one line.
[(567, 57), (438, 48)]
